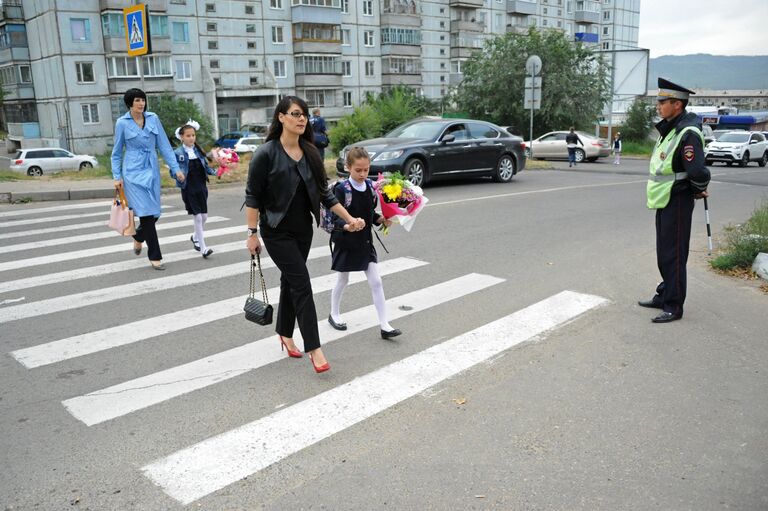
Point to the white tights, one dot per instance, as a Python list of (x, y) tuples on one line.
[(200, 219), (377, 291)]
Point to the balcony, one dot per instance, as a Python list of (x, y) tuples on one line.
[(315, 46), (517, 29), (466, 26), (316, 80), (19, 130), (395, 79), (404, 50), (13, 54), (467, 4), (117, 44), (586, 17), (11, 10), (18, 91), (400, 20), (520, 7), (153, 6), (316, 14), (455, 78)]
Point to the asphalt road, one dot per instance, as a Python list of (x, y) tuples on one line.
[(601, 410)]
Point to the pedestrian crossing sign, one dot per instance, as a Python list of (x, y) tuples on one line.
[(136, 30)]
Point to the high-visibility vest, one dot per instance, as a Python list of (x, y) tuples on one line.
[(662, 176)]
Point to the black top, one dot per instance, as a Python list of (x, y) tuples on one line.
[(352, 251)]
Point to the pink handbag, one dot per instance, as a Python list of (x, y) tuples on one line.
[(120, 217)]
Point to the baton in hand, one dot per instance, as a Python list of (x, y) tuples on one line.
[(709, 229)]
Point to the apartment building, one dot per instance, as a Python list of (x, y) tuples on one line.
[(64, 65)]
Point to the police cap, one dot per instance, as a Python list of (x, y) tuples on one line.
[(669, 90)]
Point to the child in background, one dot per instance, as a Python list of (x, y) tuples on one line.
[(194, 191), (354, 251), (617, 149)]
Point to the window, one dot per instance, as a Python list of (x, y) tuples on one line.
[(279, 68), (253, 64), (84, 72), (346, 37), (156, 66), (210, 7), (345, 6), (216, 80), (251, 45), (367, 7), (277, 35), (213, 45), (214, 64), (211, 27), (275, 4), (183, 70), (368, 38), (606, 15), (90, 113), (112, 25), (346, 68), (370, 68), (248, 9), (318, 64), (25, 74), (180, 32), (401, 65), (80, 29), (605, 30), (347, 98), (158, 26), (320, 3), (250, 28), (254, 80), (318, 97), (122, 67), (606, 46), (400, 36)]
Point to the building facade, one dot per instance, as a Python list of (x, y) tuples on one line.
[(64, 64)]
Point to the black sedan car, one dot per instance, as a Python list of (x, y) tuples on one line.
[(426, 149)]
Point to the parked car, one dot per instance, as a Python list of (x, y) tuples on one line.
[(430, 148), (739, 147), (248, 144), (49, 160), (552, 145), (228, 140)]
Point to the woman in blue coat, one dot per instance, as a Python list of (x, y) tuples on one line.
[(135, 167)]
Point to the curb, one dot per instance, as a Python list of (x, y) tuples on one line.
[(59, 195)]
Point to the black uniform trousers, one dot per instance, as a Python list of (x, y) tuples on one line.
[(673, 236), (289, 251), (146, 231)]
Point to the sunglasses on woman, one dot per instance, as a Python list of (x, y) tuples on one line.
[(297, 114)]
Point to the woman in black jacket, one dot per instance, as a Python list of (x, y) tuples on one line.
[(286, 183)]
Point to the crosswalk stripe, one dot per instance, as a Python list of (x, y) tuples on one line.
[(112, 293), (32, 211), (119, 400), (92, 342), (105, 269), (124, 246), (72, 227), (217, 462), (98, 235), (62, 218)]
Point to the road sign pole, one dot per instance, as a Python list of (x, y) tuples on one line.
[(533, 67), (530, 136)]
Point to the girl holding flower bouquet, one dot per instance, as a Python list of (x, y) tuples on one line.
[(194, 171), (354, 251)]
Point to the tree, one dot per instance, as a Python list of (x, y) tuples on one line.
[(639, 121), (174, 111), (575, 84)]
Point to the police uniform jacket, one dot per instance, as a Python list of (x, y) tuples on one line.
[(689, 155)]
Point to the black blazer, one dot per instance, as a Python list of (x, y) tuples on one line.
[(272, 181)]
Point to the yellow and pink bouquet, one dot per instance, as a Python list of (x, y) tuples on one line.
[(400, 199)]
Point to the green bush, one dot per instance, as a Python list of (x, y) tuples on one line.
[(744, 242), (363, 123), (637, 148)]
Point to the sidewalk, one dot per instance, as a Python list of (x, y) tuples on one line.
[(54, 189)]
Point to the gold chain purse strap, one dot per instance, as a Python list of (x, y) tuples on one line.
[(254, 265)]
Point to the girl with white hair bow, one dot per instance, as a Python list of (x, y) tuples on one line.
[(194, 170)]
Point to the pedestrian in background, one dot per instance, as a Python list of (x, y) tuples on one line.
[(286, 183), (571, 141), (354, 251), (136, 168), (617, 149), (193, 183), (678, 176), (320, 132)]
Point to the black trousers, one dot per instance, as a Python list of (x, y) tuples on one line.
[(289, 251), (673, 237), (146, 231)]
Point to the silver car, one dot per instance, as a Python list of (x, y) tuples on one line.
[(49, 160), (552, 145)]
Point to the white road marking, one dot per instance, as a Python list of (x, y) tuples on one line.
[(107, 233), (12, 300), (93, 342), (217, 462), (51, 220), (73, 227), (124, 246), (119, 400), (67, 207)]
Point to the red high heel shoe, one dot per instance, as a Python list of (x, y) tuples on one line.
[(291, 353), (319, 369)]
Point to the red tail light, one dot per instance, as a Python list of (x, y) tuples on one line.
[(18, 162), (597, 144)]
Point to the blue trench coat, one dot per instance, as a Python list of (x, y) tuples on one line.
[(134, 160)]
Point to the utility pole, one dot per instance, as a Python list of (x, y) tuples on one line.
[(532, 97)]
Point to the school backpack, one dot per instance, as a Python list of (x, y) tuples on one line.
[(327, 217)]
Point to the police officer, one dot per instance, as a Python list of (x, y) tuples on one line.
[(677, 177)]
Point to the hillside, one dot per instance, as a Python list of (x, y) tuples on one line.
[(704, 71)]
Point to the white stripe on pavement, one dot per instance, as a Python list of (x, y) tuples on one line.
[(217, 462), (109, 294), (32, 211), (119, 400), (50, 220), (109, 249), (72, 227), (105, 269), (136, 331), (107, 233)]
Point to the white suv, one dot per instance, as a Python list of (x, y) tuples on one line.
[(739, 147), (49, 160)]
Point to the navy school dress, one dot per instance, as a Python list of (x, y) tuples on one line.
[(353, 251), (195, 194)]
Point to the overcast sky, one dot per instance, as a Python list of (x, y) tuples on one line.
[(719, 27)]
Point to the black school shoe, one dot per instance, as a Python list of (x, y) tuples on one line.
[(207, 253), (651, 304), (337, 326), (390, 334), (195, 244), (666, 317)]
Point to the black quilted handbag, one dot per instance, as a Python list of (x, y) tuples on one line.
[(256, 310)]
